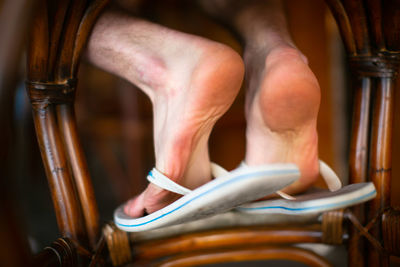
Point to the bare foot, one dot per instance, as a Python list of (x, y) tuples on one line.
[(281, 109), (191, 82), (283, 94)]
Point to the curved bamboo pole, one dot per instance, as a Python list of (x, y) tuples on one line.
[(340, 15), (247, 254), (226, 238), (67, 123), (66, 205)]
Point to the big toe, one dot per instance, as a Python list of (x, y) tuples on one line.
[(151, 200), (135, 207), (155, 198)]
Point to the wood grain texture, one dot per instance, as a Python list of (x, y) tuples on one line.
[(68, 213), (52, 62), (75, 154), (375, 65), (257, 253), (226, 238)]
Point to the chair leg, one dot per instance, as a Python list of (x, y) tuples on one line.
[(68, 213), (360, 134), (53, 59), (358, 159), (380, 159), (295, 254), (67, 123), (373, 51)]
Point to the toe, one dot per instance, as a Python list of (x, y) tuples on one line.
[(135, 206)]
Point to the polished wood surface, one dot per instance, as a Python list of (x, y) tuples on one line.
[(226, 238), (66, 117), (60, 32), (246, 254), (373, 51), (68, 213), (61, 252)]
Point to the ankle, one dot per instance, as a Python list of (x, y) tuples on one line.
[(284, 52), (262, 23)]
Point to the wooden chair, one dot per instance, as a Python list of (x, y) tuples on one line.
[(58, 35), (369, 31)]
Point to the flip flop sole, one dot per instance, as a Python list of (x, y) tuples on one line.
[(217, 196), (313, 203)]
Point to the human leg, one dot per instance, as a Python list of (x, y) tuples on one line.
[(283, 95), (190, 81)]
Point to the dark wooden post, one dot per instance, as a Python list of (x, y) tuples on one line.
[(370, 32), (59, 34)]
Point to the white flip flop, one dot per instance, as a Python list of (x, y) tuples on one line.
[(336, 197), (228, 190)]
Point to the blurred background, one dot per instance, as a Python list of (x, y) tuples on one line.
[(115, 118)]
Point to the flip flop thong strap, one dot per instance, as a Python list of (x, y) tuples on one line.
[(284, 195), (217, 171), (159, 179), (330, 177)]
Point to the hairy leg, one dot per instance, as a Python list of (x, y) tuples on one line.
[(191, 82)]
